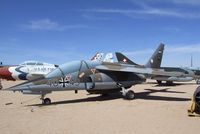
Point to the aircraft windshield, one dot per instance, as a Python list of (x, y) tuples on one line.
[(32, 63)]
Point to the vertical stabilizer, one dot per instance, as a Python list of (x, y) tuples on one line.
[(156, 58)]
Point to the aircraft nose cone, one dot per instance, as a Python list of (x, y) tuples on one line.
[(6, 74)]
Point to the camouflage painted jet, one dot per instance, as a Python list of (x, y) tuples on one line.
[(28, 70), (196, 72), (96, 77), (155, 63)]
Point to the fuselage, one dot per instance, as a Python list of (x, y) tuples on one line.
[(82, 75), (196, 72), (85, 72), (26, 71)]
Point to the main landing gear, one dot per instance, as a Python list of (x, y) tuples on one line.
[(159, 82), (45, 101), (128, 94), (198, 81)]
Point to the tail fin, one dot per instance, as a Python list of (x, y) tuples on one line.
[(123, 59), (98, 56), (156, 58)]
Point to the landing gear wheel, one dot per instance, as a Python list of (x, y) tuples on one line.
[(169, 83), (198, 82), (159, 82), (46, 101), (197, 99), (130, 95)]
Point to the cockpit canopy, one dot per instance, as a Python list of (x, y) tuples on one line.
[(72, 67), (35, 63)]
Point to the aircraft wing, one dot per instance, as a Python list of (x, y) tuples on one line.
[(132, 69), (38, 74)]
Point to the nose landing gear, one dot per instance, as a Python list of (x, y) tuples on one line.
[(45, 101)]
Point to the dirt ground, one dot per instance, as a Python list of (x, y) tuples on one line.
[(156, 110)]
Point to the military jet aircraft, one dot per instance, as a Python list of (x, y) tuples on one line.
[(28, 70), (96, 77), (155, 63), (196, 72)]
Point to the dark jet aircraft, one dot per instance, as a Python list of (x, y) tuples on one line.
[(196, 72), (96, 77), (155, 63)]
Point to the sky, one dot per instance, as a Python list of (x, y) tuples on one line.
[(59, 31)]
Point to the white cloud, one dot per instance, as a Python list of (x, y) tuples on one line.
[(47, 24), (190, 2), (192, 48), (172, 29), (139, 52), (146, 8), (148, 11), (174, 55), (186, 2), (176, 49), (94, 17), (44, 24)]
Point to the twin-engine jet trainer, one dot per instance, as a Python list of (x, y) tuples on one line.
[(28, 70), (96, 77)]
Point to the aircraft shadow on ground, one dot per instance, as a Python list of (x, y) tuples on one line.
[(173, 84), (146, 95), (82, 100)]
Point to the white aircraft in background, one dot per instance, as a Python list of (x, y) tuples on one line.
[(27, 70)]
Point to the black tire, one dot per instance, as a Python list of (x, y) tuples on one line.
[(159, 82), (197, 82), (1, 87), (46, 101), (197, 99), (169, 83), (130, 95), (197, 109)]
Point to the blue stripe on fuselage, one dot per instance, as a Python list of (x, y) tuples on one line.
[(23, 75)]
